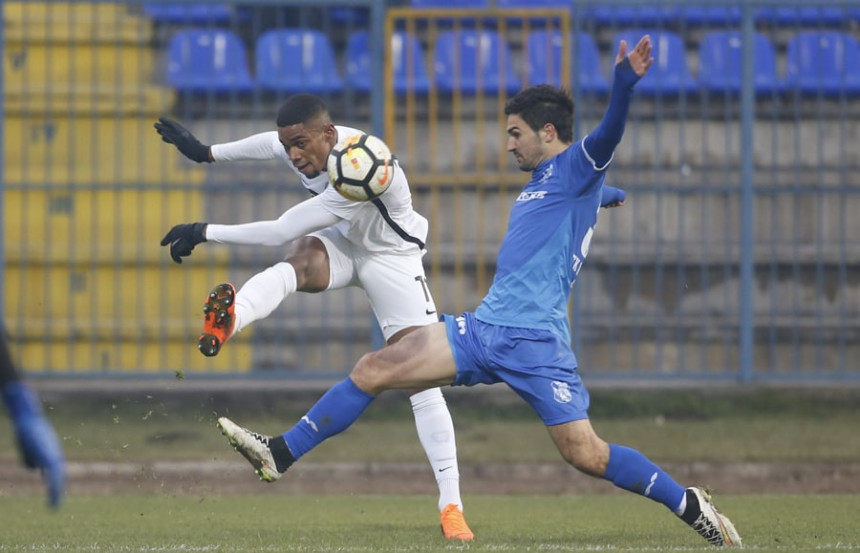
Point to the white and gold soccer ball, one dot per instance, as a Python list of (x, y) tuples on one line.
[(361, 167)]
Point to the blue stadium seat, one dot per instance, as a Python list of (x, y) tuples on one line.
[(344, 15), (720, 63), (543, 60), (823, 61), (201, 60), (297, 60), (535, 4), (710, 15), (447, 4), (801, 15), (407, 56), (454, 5), (195, 13), (669, 75), (470, 60), (621, 16)]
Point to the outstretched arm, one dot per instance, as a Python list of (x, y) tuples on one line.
[(612, 197), (257, 147), (629, 68), (299, 220)]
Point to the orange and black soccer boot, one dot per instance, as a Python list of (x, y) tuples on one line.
[(454, 525), (218, 319)]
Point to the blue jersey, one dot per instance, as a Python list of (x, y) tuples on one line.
[(549, 231)]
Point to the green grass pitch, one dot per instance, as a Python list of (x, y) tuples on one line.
[(735, 426), (395, 523)]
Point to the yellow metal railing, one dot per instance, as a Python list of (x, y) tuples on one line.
[(88, 191), (466, 197)]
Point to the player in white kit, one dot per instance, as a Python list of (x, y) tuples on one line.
[(332, 242)]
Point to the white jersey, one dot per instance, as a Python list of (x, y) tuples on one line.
[(385, 224)]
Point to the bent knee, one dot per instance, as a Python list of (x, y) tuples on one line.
[(367, 374), (309, 259), (587, 464), (591, 457)]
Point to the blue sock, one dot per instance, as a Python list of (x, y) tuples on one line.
[(334, 412), (630, 470)]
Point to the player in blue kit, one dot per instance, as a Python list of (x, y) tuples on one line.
[(37, 441), (520, 334)]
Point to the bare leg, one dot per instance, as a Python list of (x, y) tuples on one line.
[(305, 269)]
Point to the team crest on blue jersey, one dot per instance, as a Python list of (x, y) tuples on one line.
[(540, 177), (561, 392)]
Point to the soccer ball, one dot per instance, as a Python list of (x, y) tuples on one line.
[(361, 167)]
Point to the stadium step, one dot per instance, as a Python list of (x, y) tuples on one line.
[(124, 318), (90, 151), (129, 294), (93, 79), (27, 65), (87, 58), (122, 357), (74, 22), (97, 226), (120, 100)]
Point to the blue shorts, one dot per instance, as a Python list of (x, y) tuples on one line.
[(536, 364)]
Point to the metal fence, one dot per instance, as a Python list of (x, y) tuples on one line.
[(732, 258)]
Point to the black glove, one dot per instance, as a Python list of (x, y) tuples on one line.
[(182, 239), (174, 133)]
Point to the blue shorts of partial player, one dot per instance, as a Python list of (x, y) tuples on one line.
[(537, 364)]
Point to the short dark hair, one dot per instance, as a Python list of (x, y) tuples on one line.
[(542, 104), (300, 108)]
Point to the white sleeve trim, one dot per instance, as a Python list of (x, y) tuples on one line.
[(300, 220), (262, 146), (591, 159)]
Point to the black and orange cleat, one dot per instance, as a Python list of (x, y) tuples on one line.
[(218, 319)]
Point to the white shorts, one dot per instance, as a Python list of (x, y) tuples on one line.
[(395, 284)]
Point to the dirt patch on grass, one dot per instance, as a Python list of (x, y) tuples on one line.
[(225, 472), (224, 477)]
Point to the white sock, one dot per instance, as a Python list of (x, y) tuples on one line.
[(436, 432), (263, 293)]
